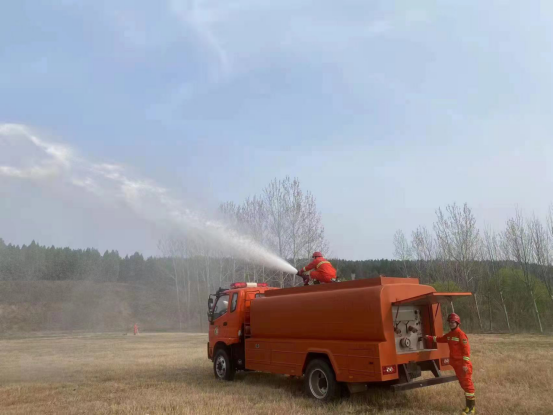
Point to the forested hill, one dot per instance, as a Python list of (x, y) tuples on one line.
[(61, 288), (35, 262)]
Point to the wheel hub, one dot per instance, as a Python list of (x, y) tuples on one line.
[(319, 384), (220, 367)]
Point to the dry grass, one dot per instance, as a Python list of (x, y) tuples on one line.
[(170, 374)]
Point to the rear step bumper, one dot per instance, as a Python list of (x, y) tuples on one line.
[(414, 384)]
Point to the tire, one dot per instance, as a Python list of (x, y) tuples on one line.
[(320, 382), (223, 367)]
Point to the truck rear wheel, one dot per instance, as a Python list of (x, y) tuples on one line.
[(223, 369), (320, 382)]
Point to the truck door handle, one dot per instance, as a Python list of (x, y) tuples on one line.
[(225, 323)]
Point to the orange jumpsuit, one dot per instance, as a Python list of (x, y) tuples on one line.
[(320, 269), (459, 357)]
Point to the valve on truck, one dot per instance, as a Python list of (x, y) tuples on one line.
[(405, 342), (412, 329)]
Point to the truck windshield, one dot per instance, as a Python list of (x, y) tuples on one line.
[(221, 306)]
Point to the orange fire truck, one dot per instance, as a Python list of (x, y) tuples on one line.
[(348, 334)]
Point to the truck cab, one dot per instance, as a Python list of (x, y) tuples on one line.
[(229, 317)]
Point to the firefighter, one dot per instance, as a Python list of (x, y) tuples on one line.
[(459, 359), (319, 270)]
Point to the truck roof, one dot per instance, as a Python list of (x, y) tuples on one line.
[(368, 282)]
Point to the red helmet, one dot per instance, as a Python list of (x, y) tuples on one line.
[(454, 317), (316, 254)]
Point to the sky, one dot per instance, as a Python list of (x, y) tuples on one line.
[(384, 110)]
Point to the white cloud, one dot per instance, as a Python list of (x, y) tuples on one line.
[(201, 19), (243, 36), (239, 31)]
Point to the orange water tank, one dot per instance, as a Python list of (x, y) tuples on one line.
[(357, 310)]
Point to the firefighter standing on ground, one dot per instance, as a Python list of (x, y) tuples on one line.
[(319, 269), (459, 359)]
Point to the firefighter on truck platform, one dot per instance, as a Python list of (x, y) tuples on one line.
[(459, 359), (319, 269)]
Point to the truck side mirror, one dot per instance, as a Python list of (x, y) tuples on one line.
[(210, 309)]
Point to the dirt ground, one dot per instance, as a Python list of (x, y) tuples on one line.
[(170, 374)]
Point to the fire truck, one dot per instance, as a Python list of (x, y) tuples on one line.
[(339, 337)]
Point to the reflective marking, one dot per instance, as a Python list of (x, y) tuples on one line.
[(322, 262)]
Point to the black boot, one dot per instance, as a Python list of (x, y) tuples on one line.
[(470, 407)]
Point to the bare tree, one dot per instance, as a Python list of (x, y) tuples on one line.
[(518, 247), (168, 247), (275, 200), (541, 251), (229, 212), (424, 250), (253, 217), (314, 232), (550, 243), (458, 239), (296, 213), (402, 251), (549, 246), (549, 227), (492, 255), (285, 220)]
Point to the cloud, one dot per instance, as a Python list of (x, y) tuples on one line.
[(246, 30), (246, 35), (201, 19)]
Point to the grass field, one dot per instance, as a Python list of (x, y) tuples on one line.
[(170, 374)]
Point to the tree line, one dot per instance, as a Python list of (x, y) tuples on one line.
[(508, 271)]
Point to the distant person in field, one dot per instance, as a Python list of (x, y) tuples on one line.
[(459, 359), (319, 269), (135, 329)]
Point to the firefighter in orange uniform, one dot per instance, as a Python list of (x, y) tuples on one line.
[(459, 359), (319, 269)]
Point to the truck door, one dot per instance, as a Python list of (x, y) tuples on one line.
[(414, 317), (220, 316), (234, 321)]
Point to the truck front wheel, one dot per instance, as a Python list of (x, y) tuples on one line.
[(320, 382), (223, 369)]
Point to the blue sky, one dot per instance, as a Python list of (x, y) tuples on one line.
[(385, 110)]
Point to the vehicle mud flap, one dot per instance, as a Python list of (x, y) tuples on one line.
[(408, 372)]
